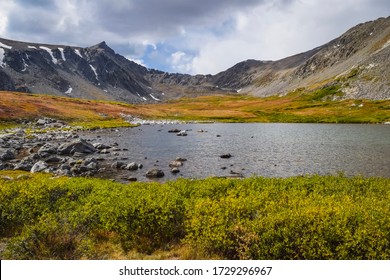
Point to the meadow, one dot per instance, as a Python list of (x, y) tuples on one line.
[(306, 217), (317, 106)]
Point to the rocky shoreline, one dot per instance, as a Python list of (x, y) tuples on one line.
[(51, 146)]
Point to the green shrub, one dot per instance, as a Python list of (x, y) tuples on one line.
[(315, 217)]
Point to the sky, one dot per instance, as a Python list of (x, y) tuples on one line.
[(185, 36)]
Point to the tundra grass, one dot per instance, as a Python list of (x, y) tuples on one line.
[(316, 106), (16, 107), (308, 217)]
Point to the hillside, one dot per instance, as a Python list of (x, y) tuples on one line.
[(357, 63)]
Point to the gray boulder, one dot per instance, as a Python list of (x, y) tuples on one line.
[(131, 166), (47, 149), (7, 155), (79, 146), (39, 167), (25, 166)]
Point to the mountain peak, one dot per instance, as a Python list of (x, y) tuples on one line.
[(102, 45)]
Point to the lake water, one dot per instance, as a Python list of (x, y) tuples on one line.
[(270, 150)]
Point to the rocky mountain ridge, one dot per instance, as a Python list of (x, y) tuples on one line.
[(357, 61)]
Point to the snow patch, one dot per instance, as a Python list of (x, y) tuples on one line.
[(144, 98), (53, 59), (154, 97), (2, 63), (76, 51), (31, 47), (62, 54), (94, 71), (25, 65), (69, 90), (5, 46), (239, 90)]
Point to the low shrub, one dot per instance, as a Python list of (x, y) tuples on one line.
[(309, 217)]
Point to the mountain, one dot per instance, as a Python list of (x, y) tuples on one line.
[(357, 62), (95, 72)]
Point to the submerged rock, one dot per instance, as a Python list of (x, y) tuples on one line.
[(174, 130), (182, 133), (155, 173), (175, 170), (175, 163), (226, 156)]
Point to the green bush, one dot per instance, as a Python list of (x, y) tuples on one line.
[(314, 217)]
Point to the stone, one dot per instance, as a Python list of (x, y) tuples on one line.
[(132, 179), (131, 166), (7, 155), (92, 166), (175, 170), (39, 167), (175, 130), (155, 173), (181, 159), (175, 163), (65, 167), (53, 160), (226, 156), (78, 146), (118, 165), (100, 146), (23, 166), (182, 133)]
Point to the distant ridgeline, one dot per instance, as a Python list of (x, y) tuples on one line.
[(356, 63)]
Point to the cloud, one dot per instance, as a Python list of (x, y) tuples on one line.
[(188, 36)]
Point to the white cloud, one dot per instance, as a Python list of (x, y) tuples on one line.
[(181, 62), (5, 7), (269, 32), (188, 36), (137, 60)]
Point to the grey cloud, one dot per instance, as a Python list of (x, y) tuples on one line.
[(154, 18), (47, 4), (166, 17)]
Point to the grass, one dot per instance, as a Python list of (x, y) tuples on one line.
[(302, 105), (308, 217), (15, 107)]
